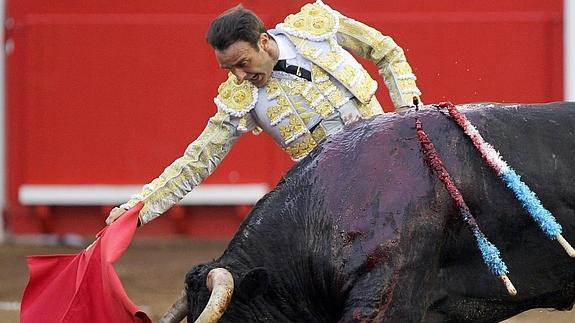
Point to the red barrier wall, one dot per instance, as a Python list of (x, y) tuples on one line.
[(110, 92)]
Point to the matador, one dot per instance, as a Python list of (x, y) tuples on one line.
[(299, 83)]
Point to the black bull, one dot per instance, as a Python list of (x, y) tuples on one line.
[(361, 230)]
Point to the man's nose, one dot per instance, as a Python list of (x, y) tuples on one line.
[(240, 74)]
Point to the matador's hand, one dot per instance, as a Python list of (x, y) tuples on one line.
[(115, 213)]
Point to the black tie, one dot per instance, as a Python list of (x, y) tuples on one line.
[(292, 69)]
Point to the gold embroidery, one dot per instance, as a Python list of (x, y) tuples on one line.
[(302, 148), (375, 106), (292, 130), (353, 44), (365, 110), (257, 131), (382, 50), (370, 109), (317, 73), (370, 42), (324, 108), (243, 123), (276, 113), (323, 86), (237, 98), (330, 61), (327, 87), (337, 98), (312, 95), (310, 52), (402, 68), (200, 159), (312, 21), (272, 88), (294, 87), (363, 87), (318, 134), (365, 90), (300, 107), (306, 116), (283, 101), (346, 74)]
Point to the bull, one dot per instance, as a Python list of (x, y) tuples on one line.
[(362, 230)]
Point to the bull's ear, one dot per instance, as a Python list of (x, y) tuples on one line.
[(254, 282)]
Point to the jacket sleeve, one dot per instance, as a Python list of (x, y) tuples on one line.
[(370, 44), (198, 162)]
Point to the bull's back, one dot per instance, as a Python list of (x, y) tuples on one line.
[(380, 225), (395, 220), (373, 174)]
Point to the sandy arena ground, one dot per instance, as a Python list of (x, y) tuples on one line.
[(152, 272)]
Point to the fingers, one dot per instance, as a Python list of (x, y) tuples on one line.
[(115, 213)]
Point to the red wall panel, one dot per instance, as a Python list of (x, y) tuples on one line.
[(111, 92)]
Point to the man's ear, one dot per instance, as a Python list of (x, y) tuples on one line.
[(254, 282), (264, 40)]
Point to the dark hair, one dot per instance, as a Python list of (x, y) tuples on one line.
[(237, 23)]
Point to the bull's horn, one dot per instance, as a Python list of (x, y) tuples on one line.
[(177, 311), (221, 283)]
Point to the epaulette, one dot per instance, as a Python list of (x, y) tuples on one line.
[(236, 98), (315, 21)]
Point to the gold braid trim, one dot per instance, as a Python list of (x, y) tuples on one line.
[(200, 159), (298, 150), (315, 21), (371, 109), (236, 98), (388, 56)]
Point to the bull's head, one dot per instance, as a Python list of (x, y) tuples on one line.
[(209, 291)]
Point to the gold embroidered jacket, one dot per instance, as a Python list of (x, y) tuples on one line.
[(297, 113)]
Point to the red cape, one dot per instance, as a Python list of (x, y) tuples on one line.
[(83, 287)]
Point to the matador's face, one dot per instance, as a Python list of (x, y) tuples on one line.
[(249, 63)]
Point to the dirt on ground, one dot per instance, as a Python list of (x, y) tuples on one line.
[(152, 272)]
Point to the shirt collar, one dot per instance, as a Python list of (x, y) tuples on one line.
[(285, 47)]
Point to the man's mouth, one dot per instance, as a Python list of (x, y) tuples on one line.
[(257, 80)]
